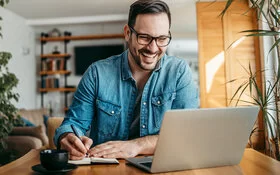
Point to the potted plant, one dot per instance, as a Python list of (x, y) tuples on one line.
[(268, 99), (8, 112)]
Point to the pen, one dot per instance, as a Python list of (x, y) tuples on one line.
[(75, 132), (77, 135)]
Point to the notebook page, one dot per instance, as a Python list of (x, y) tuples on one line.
[(89, 160), (84, 161), (103, 160)]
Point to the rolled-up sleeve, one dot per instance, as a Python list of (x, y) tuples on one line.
[(81, 111)]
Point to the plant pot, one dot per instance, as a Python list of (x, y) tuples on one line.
[(7, 157), (275, 154)]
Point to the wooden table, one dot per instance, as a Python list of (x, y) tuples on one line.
[(252, 163)]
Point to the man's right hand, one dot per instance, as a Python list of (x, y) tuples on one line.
[(77, 147)]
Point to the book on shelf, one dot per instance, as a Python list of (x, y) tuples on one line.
[(61, 64), (50, 82), (43, 82), (53, 65), (44, 66)]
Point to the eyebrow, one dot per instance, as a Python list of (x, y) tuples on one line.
[(152, 35), (139, 33)]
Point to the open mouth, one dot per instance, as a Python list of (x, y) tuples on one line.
[(149, 55), (148, 58)]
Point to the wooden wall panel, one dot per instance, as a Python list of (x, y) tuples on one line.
[(215, 36), (240, 50), (211, 57), (221, 59)]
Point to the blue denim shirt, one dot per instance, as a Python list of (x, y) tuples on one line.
[(105, 98)]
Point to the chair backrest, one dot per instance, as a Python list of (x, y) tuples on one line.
[(35, 116), (53, 123)]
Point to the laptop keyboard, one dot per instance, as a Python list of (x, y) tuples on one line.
[(147, 164)]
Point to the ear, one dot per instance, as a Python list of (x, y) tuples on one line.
[(126, 32)]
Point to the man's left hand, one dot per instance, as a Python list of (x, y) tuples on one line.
[(125, 149), (115, 149)]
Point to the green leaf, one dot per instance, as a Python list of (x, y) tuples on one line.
[(8, 81), (228, 4), (260, 32), (274, 45), (275, 13)]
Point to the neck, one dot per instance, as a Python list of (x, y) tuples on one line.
[(140, 75)]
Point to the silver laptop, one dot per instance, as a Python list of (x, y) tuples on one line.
[(200, 138)]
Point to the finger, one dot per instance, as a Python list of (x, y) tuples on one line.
[(114, 155), (99, 149), (87, 142), (73, 157), (67, 145), (94, 152), (78, 144), (108, 151)]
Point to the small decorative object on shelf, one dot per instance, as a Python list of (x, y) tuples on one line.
[(54, 33), (44, 35), (66, 33), (55, 50)]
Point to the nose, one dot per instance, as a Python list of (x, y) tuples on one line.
[(153, 46)]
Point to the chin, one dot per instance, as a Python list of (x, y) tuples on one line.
[(148, 67)]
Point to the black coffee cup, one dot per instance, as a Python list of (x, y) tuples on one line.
[(52, 159)]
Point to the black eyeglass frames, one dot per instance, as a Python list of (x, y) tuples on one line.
[(145, 39)]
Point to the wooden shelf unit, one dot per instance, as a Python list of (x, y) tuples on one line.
[(82, 37), (61, 72), (53, 64), (66, 38), (57, 89), (65, 55)]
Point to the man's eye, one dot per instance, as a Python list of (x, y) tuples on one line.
[(144, 37), (161, 39)]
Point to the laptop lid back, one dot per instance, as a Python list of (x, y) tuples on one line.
[(202, 138)]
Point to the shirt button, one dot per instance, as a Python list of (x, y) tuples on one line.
[(113, 112), (144, 103), (158, 102), (143, 126)]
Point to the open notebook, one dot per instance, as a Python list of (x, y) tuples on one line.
[(94, 160)]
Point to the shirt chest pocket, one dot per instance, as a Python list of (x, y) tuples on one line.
[(108, 117), (160, 104)]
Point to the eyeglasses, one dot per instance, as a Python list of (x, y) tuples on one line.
[(145, 39)]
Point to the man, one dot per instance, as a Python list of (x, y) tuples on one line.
[(122, 99)]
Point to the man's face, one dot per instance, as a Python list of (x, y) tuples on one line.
[(146, 57)]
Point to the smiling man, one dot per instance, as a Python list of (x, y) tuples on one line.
[(122, 99)]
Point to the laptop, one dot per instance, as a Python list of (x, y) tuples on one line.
[(200, 138)]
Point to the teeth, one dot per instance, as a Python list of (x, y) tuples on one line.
[(147, 55)]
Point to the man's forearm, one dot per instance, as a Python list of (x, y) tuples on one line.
[(147, 144)]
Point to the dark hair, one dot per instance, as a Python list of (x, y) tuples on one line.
[(146, 7)]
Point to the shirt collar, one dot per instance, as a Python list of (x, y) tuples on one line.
[(126, 72)]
